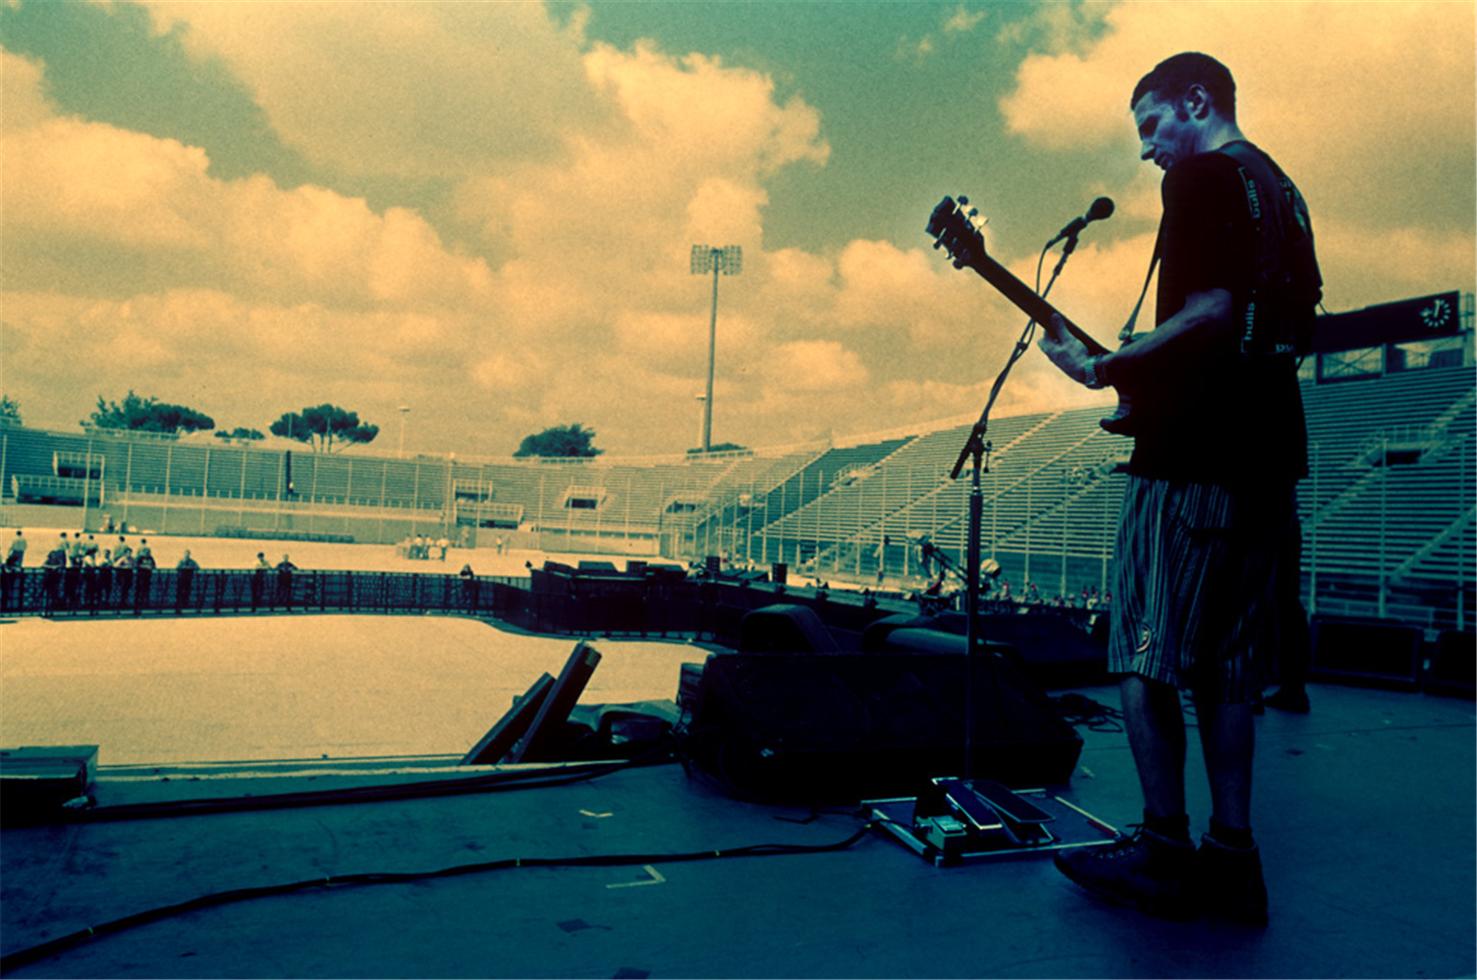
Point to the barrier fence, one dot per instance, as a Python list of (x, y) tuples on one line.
[(88, 592), (555, 600), (547, 603)]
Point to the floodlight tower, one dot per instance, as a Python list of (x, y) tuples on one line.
[(728, 261)]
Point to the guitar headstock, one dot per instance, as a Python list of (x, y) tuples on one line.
[(958, 229)]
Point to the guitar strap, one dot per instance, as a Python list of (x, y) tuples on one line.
[(1278, 315), (1126, 334)]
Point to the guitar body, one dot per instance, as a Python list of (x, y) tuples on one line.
[(957, 232)]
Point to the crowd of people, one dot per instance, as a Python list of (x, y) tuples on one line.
[(423, 548), (83, 571), (80, 572)]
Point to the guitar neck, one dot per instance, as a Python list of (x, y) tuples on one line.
[(1026, 300)]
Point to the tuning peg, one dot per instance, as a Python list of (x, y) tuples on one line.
[(974, 212), (963, 199)]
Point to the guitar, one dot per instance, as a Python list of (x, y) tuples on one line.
[(960, 234)]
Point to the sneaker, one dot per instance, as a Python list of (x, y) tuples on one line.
[(1149, 871), (1230, 882), (1293, 699)]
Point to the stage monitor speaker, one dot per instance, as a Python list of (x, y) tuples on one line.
[(1452, 669), (818, 728), (785, 628), (712, 566), (779, 573), (1054, 653), (587, 567), (1366, 652)]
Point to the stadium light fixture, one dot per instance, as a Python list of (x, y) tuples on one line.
[(727, 261)]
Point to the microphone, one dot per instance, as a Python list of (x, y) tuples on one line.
[(1099, 210)]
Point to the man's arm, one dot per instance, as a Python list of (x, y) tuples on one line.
[(1205, 320)]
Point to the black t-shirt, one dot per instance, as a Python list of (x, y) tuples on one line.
[(1217, 416)]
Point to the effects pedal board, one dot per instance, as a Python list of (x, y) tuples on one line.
[(956, 820)]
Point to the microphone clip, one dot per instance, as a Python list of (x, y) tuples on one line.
[(1100, 209)]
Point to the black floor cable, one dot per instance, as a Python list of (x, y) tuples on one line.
[(1078, 709), (53, 947)]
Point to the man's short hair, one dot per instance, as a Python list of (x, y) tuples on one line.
[(1173, 76)]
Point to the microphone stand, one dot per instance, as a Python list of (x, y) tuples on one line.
[(976, 452)]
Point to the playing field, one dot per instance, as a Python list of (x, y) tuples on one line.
[(279, 687)]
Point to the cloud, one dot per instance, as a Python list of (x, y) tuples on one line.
[(705, 113), (815, 365), (1054, 28), (956, 23), (68, 177), (509, 370), (903, 294), (678, 341), (609, 225), (25, 104), (414, 90), (241, 361), (580, 292), (722, 211), (963, 20), (1376, 264), (151, 207), (68, 333)]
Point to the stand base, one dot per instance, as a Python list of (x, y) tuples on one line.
[(953, 822)]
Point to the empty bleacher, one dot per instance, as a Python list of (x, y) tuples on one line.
[(1391, 459), (782, 510)]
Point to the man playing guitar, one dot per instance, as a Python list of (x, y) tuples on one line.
[(1219, 445)]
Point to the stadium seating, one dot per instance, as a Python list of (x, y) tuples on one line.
[(1052, 494)]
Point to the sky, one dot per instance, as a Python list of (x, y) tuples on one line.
[(484, 211)]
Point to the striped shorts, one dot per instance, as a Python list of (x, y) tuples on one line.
[(1194, 599)]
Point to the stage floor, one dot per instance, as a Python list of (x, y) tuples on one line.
[(1364, 810)]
